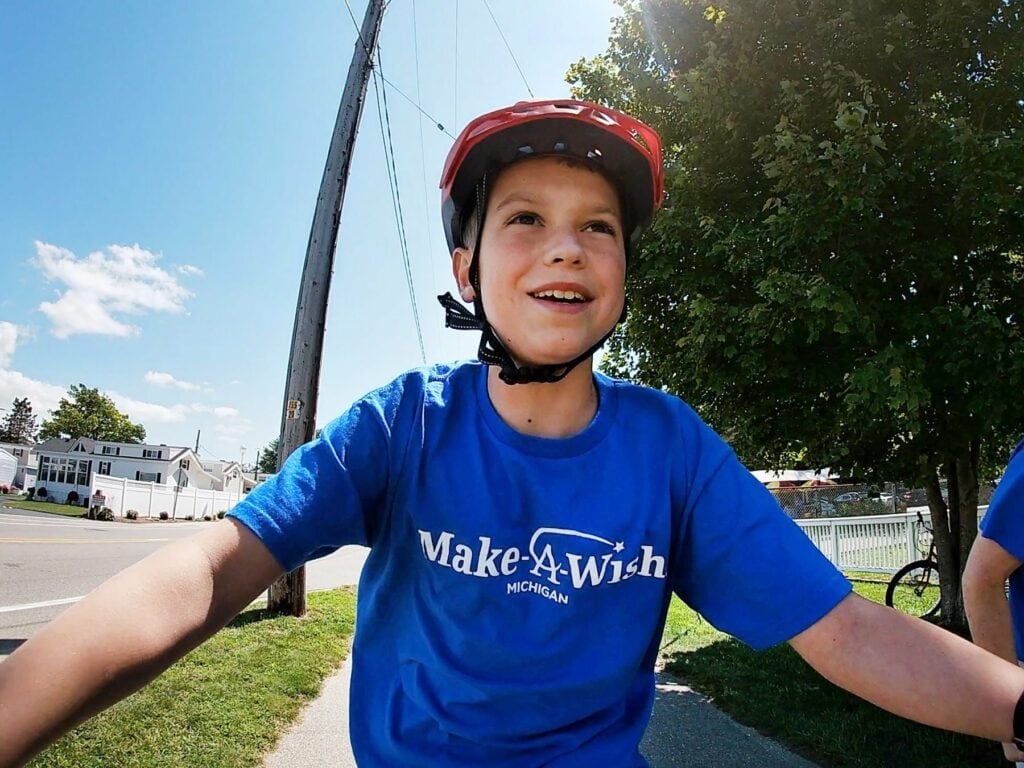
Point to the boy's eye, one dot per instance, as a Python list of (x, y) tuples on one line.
[(601, 226), (524, 218)]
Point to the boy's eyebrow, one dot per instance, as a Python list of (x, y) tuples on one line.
[(516, 198), (513, 199)]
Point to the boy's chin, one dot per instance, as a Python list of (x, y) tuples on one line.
[(560, 357)]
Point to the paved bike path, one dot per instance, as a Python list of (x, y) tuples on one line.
[(685, 731)]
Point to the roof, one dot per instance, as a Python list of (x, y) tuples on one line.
[(796, 475)]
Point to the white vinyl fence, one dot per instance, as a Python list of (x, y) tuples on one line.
[(150, 499), (879, 543)]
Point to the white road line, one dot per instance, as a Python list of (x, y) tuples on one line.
[(44, 604)]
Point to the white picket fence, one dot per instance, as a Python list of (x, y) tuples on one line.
[(875, 543), (150, 499)]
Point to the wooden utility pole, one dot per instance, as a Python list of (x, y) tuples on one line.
[(298, 420)]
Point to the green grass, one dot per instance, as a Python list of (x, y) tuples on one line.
[(68, 510), (776, 693), (225, 703)]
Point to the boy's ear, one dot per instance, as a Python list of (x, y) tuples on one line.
[(461, 260)]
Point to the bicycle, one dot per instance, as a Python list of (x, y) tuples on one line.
[(914, 588)]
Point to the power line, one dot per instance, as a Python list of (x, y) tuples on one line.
[(423, 151), (455, 96), (422, 111), (396, 199), (359, 32), (509, 48)]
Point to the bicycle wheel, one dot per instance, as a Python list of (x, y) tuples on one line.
[(915, 589)]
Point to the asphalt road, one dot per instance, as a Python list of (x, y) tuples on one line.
[(47, 562)]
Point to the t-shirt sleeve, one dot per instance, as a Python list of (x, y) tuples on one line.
[(741, 562), (329, 492), (1003, 522)]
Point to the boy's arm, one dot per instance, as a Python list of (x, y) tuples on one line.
[(126, 632), (914, 669), (988, 612)]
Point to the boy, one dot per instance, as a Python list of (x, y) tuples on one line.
[(528, 520), (997, 624)]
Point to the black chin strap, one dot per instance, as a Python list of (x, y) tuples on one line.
[(491, 350)]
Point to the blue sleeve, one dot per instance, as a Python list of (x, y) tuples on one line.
[(1003, 522), (329, 492), (743, 564)]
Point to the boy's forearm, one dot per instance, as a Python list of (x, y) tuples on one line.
[(111, 643), (914, 669), (988, 613)]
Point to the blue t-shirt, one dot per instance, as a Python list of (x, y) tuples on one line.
[(513, 601), (1003, 523)]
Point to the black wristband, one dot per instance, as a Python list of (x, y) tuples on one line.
[(1018, 723)]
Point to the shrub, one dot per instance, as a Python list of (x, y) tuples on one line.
[(190, 517), (72, 498), (106, 514), (5, 489), (41, 493), (131, 514), (221, 513), (207, 518), (31, 492), (164, 515)]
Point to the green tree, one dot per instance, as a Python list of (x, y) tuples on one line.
[(267, 461), (19, 425), (87, 412), (837, 274)]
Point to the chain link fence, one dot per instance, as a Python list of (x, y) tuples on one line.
[(821, 499)]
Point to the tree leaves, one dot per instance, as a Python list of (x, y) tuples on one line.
[(89, 413)]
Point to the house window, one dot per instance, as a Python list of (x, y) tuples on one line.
[(19, 452), (148, 477), (111, 450), (104, 468), (184, 464), (150, 454)]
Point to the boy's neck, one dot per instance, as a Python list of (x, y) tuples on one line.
[(557, 410)]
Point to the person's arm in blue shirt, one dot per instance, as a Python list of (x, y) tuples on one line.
[(126, 632), (913, 668), (988, 611)]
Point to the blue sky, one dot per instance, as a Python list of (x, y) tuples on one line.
[(159, 166)]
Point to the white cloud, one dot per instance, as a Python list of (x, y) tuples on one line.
[(188, 269), (44, 397), (8, 341), (161, 379), (220, 411), (123, 280), (147, 413), (142, 411)]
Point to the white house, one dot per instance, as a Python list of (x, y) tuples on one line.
[(8, 468), (25, 475), (69, 465)]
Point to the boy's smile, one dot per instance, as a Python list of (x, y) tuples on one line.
[(552, 266)]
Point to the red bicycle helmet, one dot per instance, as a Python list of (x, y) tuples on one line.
[(624, 148)]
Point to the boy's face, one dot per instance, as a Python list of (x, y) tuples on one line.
[(553, 261)]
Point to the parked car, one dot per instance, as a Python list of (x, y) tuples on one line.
[(850, 497), (818, 508)]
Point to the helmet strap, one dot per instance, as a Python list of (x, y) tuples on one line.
[(491, 350)]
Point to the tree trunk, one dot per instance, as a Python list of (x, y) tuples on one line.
[(955, 526), (288, 594)]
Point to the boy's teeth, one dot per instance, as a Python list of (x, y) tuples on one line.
[(554, 294)]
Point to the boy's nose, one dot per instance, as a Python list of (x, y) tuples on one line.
[(565, 247)]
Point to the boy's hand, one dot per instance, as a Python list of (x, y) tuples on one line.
[(1013, 754)]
